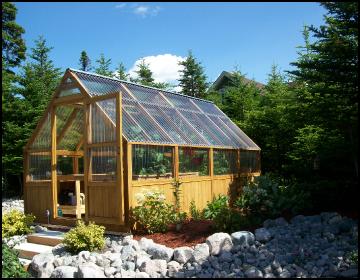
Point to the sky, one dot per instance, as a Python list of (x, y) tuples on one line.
[(222, 36)]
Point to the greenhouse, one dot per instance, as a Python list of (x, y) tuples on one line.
[(103, 141)]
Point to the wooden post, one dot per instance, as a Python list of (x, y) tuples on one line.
[(238, 161), (119, 158), (176, 162), (211, 169), (25, 178), (75, 165), (129, 179), (86, 158), (78, 205), (53, 163)]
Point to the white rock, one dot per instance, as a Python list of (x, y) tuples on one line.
[(109, 271), (64, 272), (219, 242), (144, 243), (42, 265), (201, 253), (173, 268), (90, 270), (141, 274), (253, 272), (183, 254), (243, 238), (161, 252)]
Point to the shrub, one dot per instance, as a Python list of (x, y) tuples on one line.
[(153, 214), (214, 207), (84, 237), (16, 223), (11, 267), (266, 198), (195, 213)]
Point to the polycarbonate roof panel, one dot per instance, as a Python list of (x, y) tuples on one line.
[(158, 116)]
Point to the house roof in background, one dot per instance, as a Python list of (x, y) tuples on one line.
[(228, 76)]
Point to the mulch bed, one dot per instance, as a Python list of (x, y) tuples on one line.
[(191, 233)]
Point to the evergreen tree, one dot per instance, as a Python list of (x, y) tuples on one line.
[(144, 74), (120, 72), (84, 62), (103, 67), (13, 45), (192, 78)]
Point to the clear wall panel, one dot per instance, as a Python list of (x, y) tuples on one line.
[(102, 163), (225, 162), (40, 166), (62, 116), (68, 92), (74, 134), (152, 162), (193, 162), (43, 139), (249, 161), (64, 165), (102, 127)]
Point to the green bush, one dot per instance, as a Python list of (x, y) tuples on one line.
[(266, 197), (84, 238), (11, 267), (214, 207), (16, 223), (153, 214), (195, 213)]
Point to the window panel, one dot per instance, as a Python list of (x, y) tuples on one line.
[(152, 162), (225, 162), (102, 163), (39, 166), (249, 161), (193, 162)]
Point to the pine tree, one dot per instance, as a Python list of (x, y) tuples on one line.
[(144, 74), (120, 72), (13, 45), (192, 78), (84, 62), (103, 67)]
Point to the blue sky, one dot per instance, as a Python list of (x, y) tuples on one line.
[(251, 36)]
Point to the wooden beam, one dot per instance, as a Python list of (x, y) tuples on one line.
[(102, 97), (86, 159), (176, 162), (102, 144), (26, 178), (119, 158), (129, 177), (81, 142), (53, 163), (69, 99), (67, 125), (78, 205), (211, 169)]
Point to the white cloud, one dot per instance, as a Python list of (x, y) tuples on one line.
[(164, 67), (144, 11), (120, 6)]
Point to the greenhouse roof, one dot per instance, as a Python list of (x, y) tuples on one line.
[(151, 115)]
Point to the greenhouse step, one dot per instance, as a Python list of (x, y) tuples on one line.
[(25, 263), (29, 250), (49, 238)]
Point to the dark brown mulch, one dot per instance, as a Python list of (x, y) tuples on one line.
[(191, 233)]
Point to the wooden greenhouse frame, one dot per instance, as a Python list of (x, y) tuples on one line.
[(84, 121)]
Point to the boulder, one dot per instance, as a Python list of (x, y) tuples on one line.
[(201, 253), (161, 252), (64, 272), (262, 235), (253, 272), (183, 254), (280, 222), (127, 253), (219, 242), (173, 268), (90, 270), (42, 265), (139, 259), (144, 243), (153, 268), (243, 238), (109, 271)]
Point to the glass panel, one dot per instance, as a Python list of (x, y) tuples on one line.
[(208, 107), (181, 101), (193, 162), (239, 133), (64, 165), (200, 127), (69, 92), (103, 163), (149, 127), (132, 131), (152, 162), (62, 115), (43, 139), (166, 124), (102, 127), (147, 95), (97, 85), (81, 165), (74, 134), (249, 161), (40, 166), (225, 162)]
